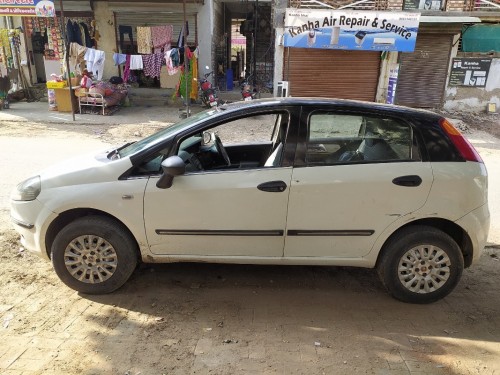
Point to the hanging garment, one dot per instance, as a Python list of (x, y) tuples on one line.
[(136, 62), (161, 37), (89, 58), (171, 68), (152, 65), (76, 56), (77, 34), (194, 74), (144, 42), (126, 70), (119, 58), (98, 66), (86, 33), (70, 33), (125, 30), (82, 33)]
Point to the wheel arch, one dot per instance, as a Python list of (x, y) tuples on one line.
[(455, 231), (69, 216)]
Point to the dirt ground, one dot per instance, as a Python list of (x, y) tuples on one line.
[(229, 319)]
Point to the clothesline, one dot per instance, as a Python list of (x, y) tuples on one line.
[(151, 64)]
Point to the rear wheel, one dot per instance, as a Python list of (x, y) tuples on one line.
[(94, 255), (420, 264)]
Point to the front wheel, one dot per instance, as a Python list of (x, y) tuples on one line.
[(94, 255), (420, 264)]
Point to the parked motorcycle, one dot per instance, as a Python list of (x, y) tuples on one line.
[(247, 91), (208, 94)]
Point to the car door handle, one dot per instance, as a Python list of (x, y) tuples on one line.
[(273, 186), (408, 181)]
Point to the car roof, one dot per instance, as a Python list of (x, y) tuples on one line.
[(341, 103)]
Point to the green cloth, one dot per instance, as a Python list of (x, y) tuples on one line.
[(481, 38)]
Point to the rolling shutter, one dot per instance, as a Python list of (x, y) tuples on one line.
[(422, 74), (332, 74)]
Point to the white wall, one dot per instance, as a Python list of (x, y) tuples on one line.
[(205, 31), (105, 24)]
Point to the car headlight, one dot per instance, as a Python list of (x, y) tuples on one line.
[(27, 190)]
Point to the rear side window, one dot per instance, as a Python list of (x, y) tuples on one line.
[(344, 138)]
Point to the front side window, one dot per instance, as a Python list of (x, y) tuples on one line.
[(335, 138), (243, 143)]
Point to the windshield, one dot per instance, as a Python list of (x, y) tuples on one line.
[(163, 134)]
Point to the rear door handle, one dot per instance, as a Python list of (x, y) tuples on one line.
[(408, 181), (273, 186)]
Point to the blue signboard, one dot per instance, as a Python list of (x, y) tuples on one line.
[(351, 30)]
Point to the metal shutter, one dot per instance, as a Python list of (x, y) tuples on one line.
[(422, 74), (332, 74)]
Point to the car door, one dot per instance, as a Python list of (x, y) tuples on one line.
[(358, 174), (220, 211)]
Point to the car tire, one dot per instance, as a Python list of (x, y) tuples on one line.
[(420, 264), (94, 255)]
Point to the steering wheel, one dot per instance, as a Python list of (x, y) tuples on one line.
[(221, 150)]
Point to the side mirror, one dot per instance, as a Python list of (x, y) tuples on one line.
[(172, 166)]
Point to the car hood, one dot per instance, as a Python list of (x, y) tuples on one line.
[(89, 168)]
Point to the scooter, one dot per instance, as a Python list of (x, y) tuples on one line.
[(208, 94), (247, 92)]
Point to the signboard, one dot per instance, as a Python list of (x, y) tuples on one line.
[(393, 80), (27, 8), (469, 71), (423, 4), (351, 30)]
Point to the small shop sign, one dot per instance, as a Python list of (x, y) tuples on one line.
[(469, 71), (351, 30), (27, 8), (423, 4)]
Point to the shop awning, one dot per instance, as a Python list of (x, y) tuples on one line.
[(449, 19), (481, 38)]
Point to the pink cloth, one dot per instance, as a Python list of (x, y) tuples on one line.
[(126, 71), (152, 65), (161, 37)]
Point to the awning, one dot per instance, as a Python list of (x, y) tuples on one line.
[(449, 19), (481, 38)]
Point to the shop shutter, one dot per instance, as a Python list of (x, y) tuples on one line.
[(422, 74), (332, 74), (135, 19)]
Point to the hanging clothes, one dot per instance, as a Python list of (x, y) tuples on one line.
[(136, 62), (76, 56), (161, 37), (152, 65), (126, 70), (144, 42), (194, 80), (98, 65), (119, 58), (86, 33), (172, 69), (89, 58)]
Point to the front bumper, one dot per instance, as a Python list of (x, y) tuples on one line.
[(31, 220)]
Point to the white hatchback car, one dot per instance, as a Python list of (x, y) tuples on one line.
[(279, 181)]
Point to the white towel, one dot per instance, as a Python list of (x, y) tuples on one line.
[(89, 58), (136, 62), (98, 66)]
